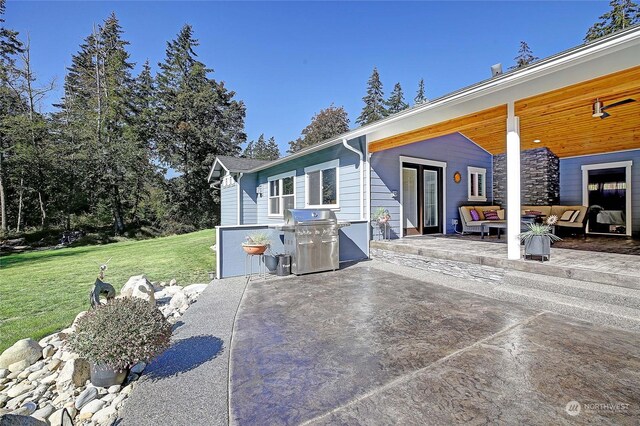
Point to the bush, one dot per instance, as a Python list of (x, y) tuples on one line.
[(121, 333)]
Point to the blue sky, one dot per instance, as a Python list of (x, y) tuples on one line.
[(287, 60)]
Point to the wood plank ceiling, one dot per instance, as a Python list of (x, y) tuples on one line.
[(560, 119)]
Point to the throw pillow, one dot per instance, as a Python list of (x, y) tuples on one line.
[(566, 216), (491, 215), (534, 212), (474, 215), (575, 215), (501, 214)]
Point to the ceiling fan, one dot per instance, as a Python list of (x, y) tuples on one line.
[(599, 108)]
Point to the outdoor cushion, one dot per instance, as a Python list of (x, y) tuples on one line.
[(475, 216), (491, 215), (533, 212), (482, 209), (466, 216), (501, 214), (575, 215), (566, 216), (544, 210), (569, 224)]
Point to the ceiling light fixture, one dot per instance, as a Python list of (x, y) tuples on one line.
[(537, 141), (597, 109)]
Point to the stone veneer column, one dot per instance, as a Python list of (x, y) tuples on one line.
[(540, 177)]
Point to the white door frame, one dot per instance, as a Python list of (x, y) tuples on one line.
[(425, 162), (618, 164)]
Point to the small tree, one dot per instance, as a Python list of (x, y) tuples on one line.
[(374, 104), (396, 101), (420, 96), (623, 14), (262, 149), (329, 122), (525, 56)]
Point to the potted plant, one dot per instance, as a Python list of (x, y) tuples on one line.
[(381, 216), (256, 243), (117, 335), (537, 240)]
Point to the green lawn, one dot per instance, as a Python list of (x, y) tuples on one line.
[(41, 292)]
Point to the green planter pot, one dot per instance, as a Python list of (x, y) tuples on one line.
[(538, 246), (105, 376)]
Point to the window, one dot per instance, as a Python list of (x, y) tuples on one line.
[(322, 185), (477, 184), (281, 194)]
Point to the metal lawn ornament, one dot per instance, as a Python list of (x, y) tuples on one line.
[(101, 288)]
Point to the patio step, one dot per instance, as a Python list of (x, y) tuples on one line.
[(610, 294), (578, 307)]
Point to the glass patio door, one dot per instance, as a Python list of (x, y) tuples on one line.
[(421, 199)]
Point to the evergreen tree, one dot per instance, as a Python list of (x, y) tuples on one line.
[(374, 104), (326, 124), (198, 118), (420, 96), (396, 101), (262, 149), (623, 14), (525, 56), (10, 103)]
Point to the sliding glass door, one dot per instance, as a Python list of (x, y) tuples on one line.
[(421, 199)]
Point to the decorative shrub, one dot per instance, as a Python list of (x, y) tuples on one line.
[(121, 333), (538, 230), (257, 239)]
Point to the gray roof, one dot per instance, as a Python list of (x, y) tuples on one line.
[(237, 164)]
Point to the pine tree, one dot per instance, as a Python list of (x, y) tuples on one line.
[(623, 14), (374, 104), (396, 101), (198, 119), (326, 124), (420, 96), (525, 56), (262, 149)]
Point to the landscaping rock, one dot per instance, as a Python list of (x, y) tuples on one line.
[(74, 373), (172, 290), (138, 368), (88, 395), (118, 400), (139, 286), (4, 372), (114, 389), (91, 408), (48, 351), (19, 420), (50, 379), (19, 389), (179, 300), (54, 364), (194, 290), (44, 412), (77, 318), (19, 367), (23, 350), (56, 418), (27, 408), (104, 415), (173, 282)]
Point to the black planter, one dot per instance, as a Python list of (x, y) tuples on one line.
[(105, 376), (538, 246)]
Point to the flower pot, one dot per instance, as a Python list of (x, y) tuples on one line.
[(105, 376), (254, 249), (538, 245)]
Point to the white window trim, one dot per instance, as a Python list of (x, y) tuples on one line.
[(333, 164), (479, 171), (279, 178)]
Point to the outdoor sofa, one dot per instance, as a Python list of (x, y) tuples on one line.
[(575, 222)]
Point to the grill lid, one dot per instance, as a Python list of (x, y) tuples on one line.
[(309, 216)]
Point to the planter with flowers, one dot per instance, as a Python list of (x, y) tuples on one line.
[(538, 237), (256, 243), (117, 335), (381, 219)]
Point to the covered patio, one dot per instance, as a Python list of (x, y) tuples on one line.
[(555, 107)]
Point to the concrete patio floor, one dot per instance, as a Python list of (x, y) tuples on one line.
[(371, 345), (376, 344)]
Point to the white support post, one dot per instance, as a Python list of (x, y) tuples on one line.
[(513, 186)]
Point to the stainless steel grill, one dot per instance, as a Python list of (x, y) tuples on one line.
[(311, 238)]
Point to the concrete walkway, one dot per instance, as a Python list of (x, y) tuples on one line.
[(377, 343), (187, 385)]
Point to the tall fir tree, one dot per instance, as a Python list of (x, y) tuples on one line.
[(396, 101), (524, 57), (326, 124), (374, 104), (262, 149), (420, 95), (198, 118), (623, 14)]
